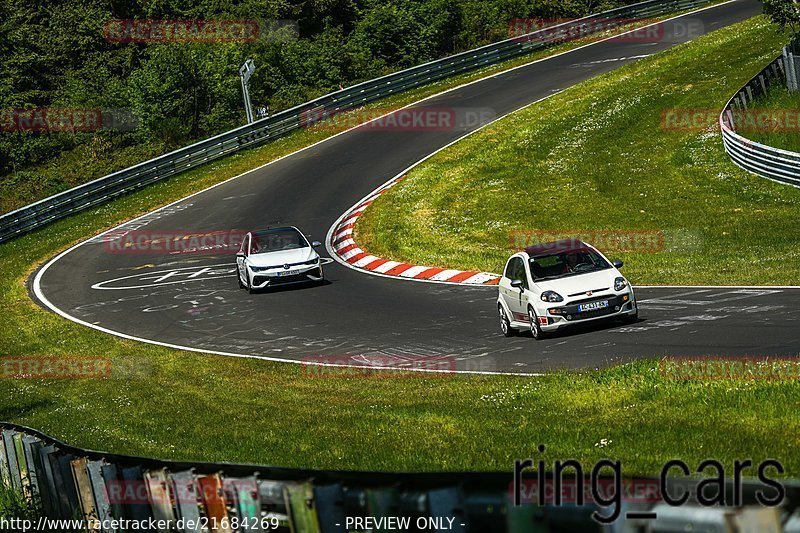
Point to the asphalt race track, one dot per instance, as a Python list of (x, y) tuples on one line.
[(193, 301)]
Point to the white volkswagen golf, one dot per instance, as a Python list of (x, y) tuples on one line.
[(557, 284), (276, 256)]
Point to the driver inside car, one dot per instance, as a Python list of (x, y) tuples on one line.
[(570, 263)]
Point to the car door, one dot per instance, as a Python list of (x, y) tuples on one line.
[(520, 302), (512, 296), (241, 257)]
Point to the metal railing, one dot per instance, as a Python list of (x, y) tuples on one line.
[(59, 481), (114, 185), (766, 161)]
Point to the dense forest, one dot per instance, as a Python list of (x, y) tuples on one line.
[(68, 54)]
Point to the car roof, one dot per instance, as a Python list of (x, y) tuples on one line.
[(561, 246), (267, 231)]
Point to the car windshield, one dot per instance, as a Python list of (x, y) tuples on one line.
[(567, 263), (277, 239)]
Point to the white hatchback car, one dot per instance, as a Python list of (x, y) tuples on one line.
[(557, 284), (277, 256)]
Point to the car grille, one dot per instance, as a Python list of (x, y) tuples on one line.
[(584, 292)]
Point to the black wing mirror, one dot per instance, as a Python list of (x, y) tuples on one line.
[(316, 244), (517, 283), (617, 264)]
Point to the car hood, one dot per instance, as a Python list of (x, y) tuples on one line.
[(581, 282), (281, 257)]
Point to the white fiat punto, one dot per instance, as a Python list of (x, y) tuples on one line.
[(557, 284)]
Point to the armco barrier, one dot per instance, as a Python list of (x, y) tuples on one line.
[(766, 161), (64, 482), (125, 181)]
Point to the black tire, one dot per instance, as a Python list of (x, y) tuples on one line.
[(632, 319), (505, 324), (250, 289), (536, 329)]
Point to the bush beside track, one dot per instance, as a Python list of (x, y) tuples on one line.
[(601, 157), (181, 405)]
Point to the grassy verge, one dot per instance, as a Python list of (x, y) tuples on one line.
[(182, 405), (783, 134), (597, 159)]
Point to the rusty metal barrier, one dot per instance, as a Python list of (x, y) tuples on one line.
[(64, 482)]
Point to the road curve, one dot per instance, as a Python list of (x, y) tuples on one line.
[(192, 300)]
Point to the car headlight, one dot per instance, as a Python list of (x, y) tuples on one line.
[(551, 296), (620, 283), (258, 269)]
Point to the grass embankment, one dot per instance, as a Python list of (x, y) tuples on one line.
[(785, 131), (600, 158), (172, 404)]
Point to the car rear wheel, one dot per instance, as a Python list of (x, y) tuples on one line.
[(536, 329), (505, 324)]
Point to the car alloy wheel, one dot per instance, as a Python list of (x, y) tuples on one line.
[(505, 325), (536, 329)]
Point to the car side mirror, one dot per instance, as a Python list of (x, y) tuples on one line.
[(316, 244), (517, 283), (617, 264)]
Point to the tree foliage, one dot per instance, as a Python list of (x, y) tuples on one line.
[(53, 53)]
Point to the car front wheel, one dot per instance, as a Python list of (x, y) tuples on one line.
[(536, 329), (505, 324)]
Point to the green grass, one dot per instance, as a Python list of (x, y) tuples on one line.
[(596, 158), (183, 405), (778, 98)]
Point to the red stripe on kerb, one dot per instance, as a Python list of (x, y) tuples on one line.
[(372, 265), (346, 249), (461, 277), (360, 255), (494, 281), (348, 226), (428, 274), (399, 269)]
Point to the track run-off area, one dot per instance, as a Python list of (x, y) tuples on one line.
[(191, 301)]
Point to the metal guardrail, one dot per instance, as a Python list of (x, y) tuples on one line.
[(59, 481), (114, 185), (766, 161)]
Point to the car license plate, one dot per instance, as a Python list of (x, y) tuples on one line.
[(593, 306), (288, 273)]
